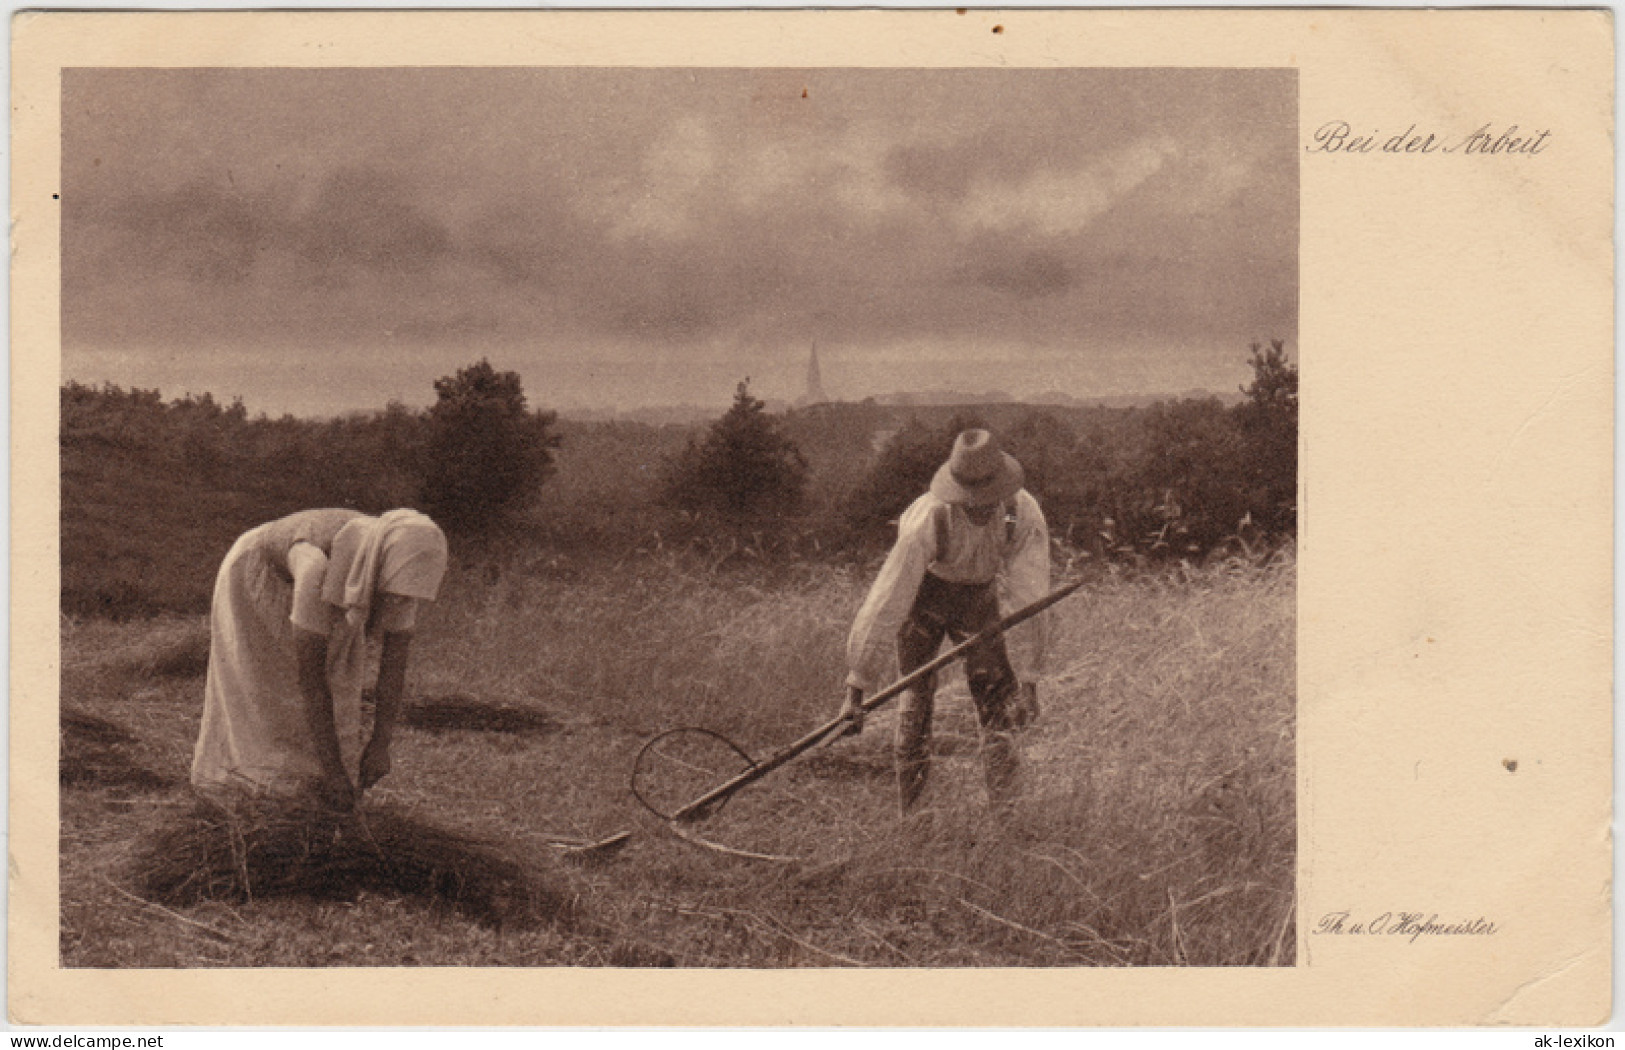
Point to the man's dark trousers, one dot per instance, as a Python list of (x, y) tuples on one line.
[(955, 611)]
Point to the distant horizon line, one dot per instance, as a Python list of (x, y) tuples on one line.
[(687, 411)]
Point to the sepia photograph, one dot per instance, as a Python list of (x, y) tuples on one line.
[(620, 517)]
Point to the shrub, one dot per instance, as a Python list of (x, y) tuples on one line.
[(1187, 494), (746, 473), (485, 453), (1044, 445)]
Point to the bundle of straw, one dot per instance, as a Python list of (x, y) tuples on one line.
[(210, 852)]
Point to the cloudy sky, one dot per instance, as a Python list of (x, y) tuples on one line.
[(316, 241)]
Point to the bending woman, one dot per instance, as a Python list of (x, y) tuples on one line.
[(294, 603)]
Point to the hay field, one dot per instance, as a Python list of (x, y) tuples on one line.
[(1156, 824)]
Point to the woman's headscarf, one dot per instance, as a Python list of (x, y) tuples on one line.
[(402, 552)]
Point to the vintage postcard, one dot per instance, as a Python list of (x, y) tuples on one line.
[(956, 517)]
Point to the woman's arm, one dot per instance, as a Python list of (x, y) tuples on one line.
[(395, 616), (375, 761), (335, 788), (311, 619)]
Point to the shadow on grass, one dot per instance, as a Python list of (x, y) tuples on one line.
[(443, 714), (94, 754)]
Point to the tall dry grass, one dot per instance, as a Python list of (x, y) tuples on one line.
[(1156, 824), (645, 643)]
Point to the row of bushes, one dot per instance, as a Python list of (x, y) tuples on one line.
[(466, 459), (1175, 479), (155, 491)]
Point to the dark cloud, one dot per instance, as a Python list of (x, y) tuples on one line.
[(933, 170), (1027, 275), (664, 212), (197, 231), (365, 219)]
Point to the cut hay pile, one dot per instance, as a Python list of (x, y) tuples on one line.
[(209, 853)]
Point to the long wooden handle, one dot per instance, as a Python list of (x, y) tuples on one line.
[(780, 757)]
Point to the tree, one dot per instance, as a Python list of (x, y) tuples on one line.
[(485, 454), (1268, 421), (746, 473), (1274, 389)]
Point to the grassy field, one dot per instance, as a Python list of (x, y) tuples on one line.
[(1156, 823)]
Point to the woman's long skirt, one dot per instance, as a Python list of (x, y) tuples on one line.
[(255, 741)]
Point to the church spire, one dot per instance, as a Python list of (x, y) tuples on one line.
[(815, 385)]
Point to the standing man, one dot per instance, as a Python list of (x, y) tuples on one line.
[(976, 528)]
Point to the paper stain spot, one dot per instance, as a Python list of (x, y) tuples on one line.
[(1511, 764), (998, 29), (803, 92)]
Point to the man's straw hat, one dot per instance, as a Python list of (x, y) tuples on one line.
[(978, 472)]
